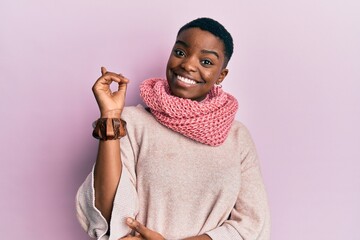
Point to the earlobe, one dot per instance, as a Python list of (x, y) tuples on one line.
[(222, 76)]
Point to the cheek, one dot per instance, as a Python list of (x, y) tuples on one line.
[(169, 64), (211, 75), (172, 61)]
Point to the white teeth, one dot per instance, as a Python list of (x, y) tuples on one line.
[(186, 80)]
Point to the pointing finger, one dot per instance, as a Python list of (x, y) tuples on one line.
[(138, 227), (103, 71), (113, 77), (110, 76)]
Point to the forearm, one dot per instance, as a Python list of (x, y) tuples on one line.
[(107, 175)]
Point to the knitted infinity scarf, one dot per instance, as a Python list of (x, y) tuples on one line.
[(208, 121)]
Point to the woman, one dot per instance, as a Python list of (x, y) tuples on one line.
[(185, 169)]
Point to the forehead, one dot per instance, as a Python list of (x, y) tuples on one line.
[(202, 40)]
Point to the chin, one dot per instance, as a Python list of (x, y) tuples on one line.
[(179, 94)]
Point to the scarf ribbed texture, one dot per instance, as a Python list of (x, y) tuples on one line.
[(208, 121)]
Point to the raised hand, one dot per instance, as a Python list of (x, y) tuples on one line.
[(110, 103)]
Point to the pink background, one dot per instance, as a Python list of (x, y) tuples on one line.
[(295, 72)]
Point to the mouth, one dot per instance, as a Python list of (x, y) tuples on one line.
[(186, 80)]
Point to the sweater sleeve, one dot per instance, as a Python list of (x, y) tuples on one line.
[(125, 201), (250, 217)]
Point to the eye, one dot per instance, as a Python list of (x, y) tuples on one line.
[(179, 53), (206, 62)]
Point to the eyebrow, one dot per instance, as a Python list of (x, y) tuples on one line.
[(182, 43), (202, 51), (210, 52)]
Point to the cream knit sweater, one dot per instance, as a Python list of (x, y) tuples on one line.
[(181, 188)]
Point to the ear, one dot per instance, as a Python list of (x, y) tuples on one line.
[(222, 76)]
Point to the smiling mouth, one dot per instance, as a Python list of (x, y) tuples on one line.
[(186, 80)]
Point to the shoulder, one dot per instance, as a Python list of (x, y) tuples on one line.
[(138, 120), (248, 149), (240, 136), (238, 128), (137, 113), (135, 116), (133, 109)]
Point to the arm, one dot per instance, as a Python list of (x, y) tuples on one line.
[(108, 163), (250, 217), (125, 201), (107, 174), (113, 197)]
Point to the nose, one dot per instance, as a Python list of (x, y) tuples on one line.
[(189, 64)]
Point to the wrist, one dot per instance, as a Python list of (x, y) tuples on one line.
[(111, 114)]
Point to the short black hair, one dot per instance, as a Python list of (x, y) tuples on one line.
[(215, 28)]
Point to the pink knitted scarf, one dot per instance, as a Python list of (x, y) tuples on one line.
[(208, 121)]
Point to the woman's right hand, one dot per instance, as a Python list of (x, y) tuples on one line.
[(110, 103)]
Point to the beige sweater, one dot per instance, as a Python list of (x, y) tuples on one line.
[(181, 188)]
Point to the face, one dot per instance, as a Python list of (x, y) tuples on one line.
[(196, 63)]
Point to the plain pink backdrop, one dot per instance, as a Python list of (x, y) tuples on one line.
[(295, 72)]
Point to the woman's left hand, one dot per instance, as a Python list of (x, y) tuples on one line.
[(145, 233)]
